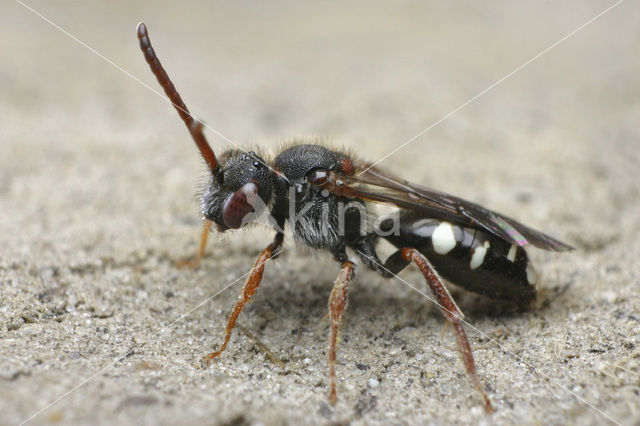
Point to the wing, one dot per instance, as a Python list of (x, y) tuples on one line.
[(379, 186)]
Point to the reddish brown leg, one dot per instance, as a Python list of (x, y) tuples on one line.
[(444, 329), (249, 288), (337, 305), (195, 262), (452, 313)]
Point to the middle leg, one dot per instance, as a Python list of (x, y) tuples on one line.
[(337, 306)]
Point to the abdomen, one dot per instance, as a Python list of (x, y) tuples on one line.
[(469, 257)]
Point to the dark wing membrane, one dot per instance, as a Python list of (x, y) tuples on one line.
[(376, 185)]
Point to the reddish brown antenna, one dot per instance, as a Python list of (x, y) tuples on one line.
[(194, 126)]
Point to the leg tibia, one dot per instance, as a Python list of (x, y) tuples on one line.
[(337, 306), (452, 313), (249, 288)]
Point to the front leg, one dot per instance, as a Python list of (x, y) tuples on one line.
[(249, 288), (195, 262)]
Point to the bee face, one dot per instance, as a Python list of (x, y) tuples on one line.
[(241, 190)]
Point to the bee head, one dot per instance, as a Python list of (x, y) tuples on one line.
[(239, 191)]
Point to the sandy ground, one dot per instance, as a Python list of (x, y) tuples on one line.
[(98, 193)]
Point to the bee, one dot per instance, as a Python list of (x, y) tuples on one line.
[(326, 195)]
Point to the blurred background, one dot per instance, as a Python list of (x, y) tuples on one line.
[(96, 170)]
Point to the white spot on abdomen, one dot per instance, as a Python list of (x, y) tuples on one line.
[(443, 238), (532, 275), (511, 256), (478, 255)]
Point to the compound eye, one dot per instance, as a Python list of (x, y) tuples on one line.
[(240, 204)]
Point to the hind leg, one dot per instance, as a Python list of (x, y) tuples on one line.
[(452, 313), (401, 259)]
